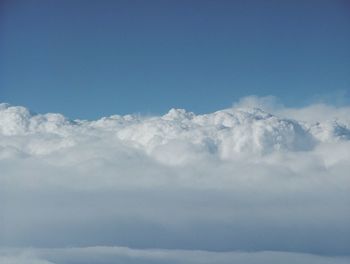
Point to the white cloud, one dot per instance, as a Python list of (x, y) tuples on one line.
[(317, 112), (224, 134), (239, 179), (106, 255)]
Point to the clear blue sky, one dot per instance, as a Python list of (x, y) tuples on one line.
[(89, 59)]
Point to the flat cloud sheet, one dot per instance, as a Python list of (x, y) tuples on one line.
[(256, 183)]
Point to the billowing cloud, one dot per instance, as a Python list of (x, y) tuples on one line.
[(238, 185)]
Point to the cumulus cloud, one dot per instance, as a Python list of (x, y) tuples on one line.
[(317, 112), (225, 134), (255, 183)]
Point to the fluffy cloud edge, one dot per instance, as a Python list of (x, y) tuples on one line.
[(227, 134)]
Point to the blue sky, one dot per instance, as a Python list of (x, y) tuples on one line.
[(88, 59)]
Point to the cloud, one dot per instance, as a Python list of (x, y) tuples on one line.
[(224, 134), (250, 184), (316, 112), (106, 255)]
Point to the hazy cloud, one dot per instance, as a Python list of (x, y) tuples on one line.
[(108, 255)]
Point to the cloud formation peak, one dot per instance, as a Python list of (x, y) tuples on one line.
[(225, 134)]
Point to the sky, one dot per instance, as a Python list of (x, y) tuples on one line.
[(174, 132), (88, 59)]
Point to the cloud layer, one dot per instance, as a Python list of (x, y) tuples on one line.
[(109, 255), (205, 188)]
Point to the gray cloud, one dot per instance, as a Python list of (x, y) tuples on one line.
[(107, 255)]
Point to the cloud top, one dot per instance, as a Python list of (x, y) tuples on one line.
[(225, 134)]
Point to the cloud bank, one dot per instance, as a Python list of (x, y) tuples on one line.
[(255, 183), (109, 255)]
